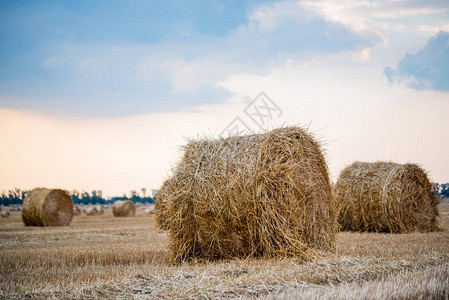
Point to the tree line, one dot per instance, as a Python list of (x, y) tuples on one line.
[(442, 189), (16, 197)]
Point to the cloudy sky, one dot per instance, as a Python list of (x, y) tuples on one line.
[(102, 94)]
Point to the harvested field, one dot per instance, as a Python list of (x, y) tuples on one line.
[(107, 257)]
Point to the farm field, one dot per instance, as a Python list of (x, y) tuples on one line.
[(107, 257)]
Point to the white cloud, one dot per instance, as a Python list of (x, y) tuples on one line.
[(374, 17), (434, 29)]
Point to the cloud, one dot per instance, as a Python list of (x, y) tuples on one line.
[(428, 69), (434, 29), (122, 77)]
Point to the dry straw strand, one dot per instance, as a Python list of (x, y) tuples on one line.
[(386, 197), (255, 195), (124, 208), (47, 207)]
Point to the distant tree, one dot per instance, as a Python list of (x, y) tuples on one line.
[(444, 190)]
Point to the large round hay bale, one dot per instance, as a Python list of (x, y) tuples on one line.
[(5, 214), (124, 209), (76, 211), (161, 205), (255, 195), (386, 197), (47, 207), (91, 211)]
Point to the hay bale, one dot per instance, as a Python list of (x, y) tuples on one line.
[(91, 211), (47, 207), (255, 195), (76, 211), (161, 205), (5, 214), (386, 197), (149, 210), (100, 209), (124, 209)]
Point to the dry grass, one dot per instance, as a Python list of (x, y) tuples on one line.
[(107, 257)]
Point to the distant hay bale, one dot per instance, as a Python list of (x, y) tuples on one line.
[(124, 209), (386, 197), (149, 210), (76, 211), (100, 209), (5, 214), (47, 207), (255, 195), (91, 211), (161, 206)]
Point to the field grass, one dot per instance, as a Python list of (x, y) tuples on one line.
[(107, 257)]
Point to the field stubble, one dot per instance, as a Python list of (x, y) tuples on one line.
[(107, 257)]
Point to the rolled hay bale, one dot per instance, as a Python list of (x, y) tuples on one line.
[(91, 211), (124, 209), (47, 207), (149, 210), (161, 205), (260, 195), (76, 211), (5, 214), (386, 197), (100, 209)]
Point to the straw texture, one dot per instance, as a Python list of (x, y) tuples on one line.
[(255, 195), (386, 197), (47, 207), (123, 209), (161, 205)]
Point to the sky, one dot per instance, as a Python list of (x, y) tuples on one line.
[(101, 95)]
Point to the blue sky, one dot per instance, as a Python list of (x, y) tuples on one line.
[(119, 57), (426, 69)]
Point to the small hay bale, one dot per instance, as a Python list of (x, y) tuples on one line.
[(100, 209), (386, 197), (124, 209), (91, 211), (255, 195), (149, 210), (5, 214), (161, 205), (76, 211), (47, 207)]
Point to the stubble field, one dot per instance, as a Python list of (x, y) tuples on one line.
[(107, 257)]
